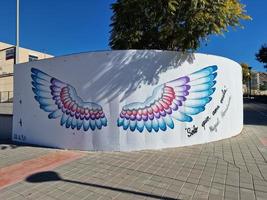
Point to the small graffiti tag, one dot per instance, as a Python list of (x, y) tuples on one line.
[(191, 131), (20, 122), (20, 137)]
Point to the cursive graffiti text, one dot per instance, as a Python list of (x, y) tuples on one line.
[(215, 110), (223, 95), (191, 131), (227, 107), (205, 122)]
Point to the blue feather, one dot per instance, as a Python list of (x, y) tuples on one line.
[(125, 124), (68, 122), (64, 118), (169, 121), (104, 121), (44, 101), (155, 124), (41, 93), (79, 123), (86, 125), (55, 114), (73, 123), (40, 74), (197, 102), (132, 125), (92, 124), (183, 117), (148, 125), (40, 81), (48, 108), (98, 123), (202, 87), (162, 124), (140, 125)]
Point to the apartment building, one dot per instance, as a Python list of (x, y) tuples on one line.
[(7, 61)]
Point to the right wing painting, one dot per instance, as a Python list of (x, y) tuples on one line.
[(178, 99)]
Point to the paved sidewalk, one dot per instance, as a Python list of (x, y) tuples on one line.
[(12, 154), (234, 168)]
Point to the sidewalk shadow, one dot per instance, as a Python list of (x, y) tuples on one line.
[(53, 176)]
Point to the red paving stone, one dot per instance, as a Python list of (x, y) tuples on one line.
[(17, 172), (264, 141)]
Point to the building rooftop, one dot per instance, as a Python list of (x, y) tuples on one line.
[(4, 45)]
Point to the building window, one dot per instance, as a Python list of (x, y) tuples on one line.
[(32, 58), (10, 54)]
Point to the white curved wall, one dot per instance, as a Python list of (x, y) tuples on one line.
[(114, 79)]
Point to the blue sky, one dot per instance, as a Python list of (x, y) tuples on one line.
[(63, 27)]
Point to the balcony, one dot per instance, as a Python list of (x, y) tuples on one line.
[(6, 102)]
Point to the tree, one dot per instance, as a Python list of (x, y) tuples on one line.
[(263, 87), (261, 56), (245, 73), (246, 76), (171, 24)]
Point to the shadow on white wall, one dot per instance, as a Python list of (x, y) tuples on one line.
[(126, 70)]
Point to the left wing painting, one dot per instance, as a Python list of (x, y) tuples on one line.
[(60, 100)]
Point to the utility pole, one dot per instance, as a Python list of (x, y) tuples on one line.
[(250, 77), (17, 34)]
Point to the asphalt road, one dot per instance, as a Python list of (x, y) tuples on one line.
[(255, 113)]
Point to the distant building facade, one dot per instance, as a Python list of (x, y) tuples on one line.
[(262, 80), (258, 83), (7, 61), (258, 80)]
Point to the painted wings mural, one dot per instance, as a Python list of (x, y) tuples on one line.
[(60, 100), (178, 99)]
